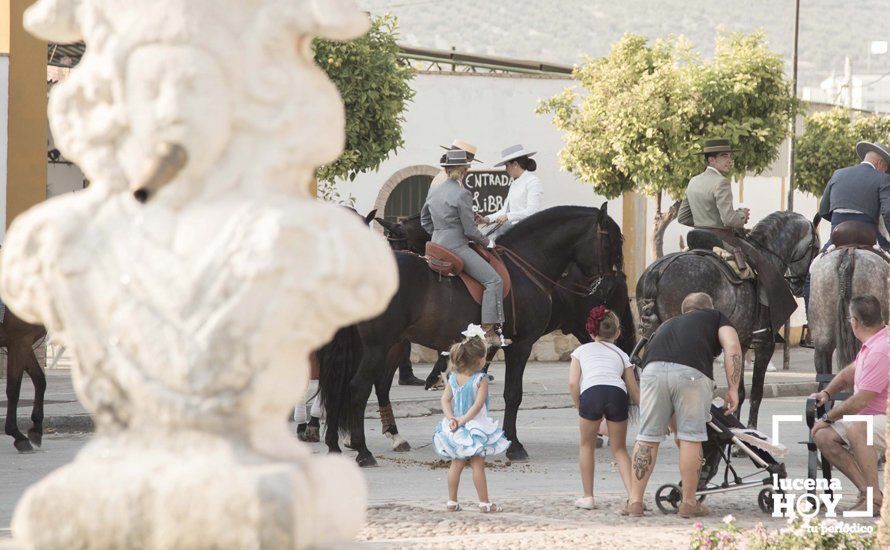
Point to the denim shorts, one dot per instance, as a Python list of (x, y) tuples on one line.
[(668, 389)]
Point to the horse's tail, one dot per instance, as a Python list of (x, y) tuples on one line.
[(847, 345), (647, 296), (338, 362)]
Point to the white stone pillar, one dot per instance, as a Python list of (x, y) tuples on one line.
[(191, 315)]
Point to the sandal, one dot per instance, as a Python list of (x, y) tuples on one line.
[(633, 509), (489, 507), (452, 506)]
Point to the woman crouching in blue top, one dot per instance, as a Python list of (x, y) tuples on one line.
[(600, 379), (466, 432)]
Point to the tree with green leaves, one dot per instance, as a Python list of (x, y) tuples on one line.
[(829, 142), (374, 84), (647, 108)]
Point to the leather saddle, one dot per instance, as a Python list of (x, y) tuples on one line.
[(448, 264), (854, 233), (709, 239)]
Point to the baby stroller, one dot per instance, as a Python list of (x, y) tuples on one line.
[(724, 434)]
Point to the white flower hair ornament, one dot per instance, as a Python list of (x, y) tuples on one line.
[(474, 331)]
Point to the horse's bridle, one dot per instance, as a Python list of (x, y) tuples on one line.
[(812, 251)]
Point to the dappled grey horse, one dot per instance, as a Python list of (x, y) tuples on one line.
[(786, 239), (835, 278)]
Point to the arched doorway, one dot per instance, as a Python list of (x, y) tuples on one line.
[(404, 192)]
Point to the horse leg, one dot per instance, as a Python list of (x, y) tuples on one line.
[(360, 388), (762, 355), (387, 418), (14, 373), (516, 356), (822, 358), (35, 434)]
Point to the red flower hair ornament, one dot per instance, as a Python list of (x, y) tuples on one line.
[(593, 320)]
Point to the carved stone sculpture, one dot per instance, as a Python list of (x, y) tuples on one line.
[(192, 314)]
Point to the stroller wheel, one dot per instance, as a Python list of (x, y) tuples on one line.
[(765, 501), (668, 498)]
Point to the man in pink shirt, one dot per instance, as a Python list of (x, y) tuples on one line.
[(844, 442)]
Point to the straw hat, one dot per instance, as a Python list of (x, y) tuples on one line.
[(465, 146)]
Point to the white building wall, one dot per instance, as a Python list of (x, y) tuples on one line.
[(490, 111)]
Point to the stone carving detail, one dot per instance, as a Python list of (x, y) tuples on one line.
[(192, 315)]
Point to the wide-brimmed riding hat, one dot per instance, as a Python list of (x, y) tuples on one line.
[(865, 147), (717, 146), (514, 152), (455, 157), (464, 145)]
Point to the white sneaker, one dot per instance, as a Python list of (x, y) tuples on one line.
[(770, 367), (585, 503)]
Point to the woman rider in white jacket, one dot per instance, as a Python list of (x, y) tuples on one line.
[(526, 191)]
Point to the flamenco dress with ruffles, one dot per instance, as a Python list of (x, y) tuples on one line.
[(480, 436)]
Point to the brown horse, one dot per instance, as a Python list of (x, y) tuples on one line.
[(19, 339)]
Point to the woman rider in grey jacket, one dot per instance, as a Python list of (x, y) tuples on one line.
[(448, 216)]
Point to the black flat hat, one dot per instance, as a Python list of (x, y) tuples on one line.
[(717, 146)]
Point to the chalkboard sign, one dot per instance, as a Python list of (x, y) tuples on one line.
[(489, 189)]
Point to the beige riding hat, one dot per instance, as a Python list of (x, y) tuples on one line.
[(464, 146), (514, 152), (865, 147)]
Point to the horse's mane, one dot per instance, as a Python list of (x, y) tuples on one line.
[(545, 219), (770, 227)]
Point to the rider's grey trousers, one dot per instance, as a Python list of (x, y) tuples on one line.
[(493, 296)]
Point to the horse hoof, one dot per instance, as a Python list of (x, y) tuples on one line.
[(23, 446), (311, 435), (402, 447), (366, 461), (35, 435), (517, 454)]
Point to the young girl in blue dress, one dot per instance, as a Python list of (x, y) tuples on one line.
[(467, 433)]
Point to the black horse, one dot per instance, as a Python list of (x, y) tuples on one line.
[(785, 239), (19, 338), (572, 300), (432, 311)]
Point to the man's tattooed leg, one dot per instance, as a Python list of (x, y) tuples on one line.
[(642, 461)]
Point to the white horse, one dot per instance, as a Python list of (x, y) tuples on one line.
[(835, 278)]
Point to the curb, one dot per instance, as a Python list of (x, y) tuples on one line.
[(414, 408)]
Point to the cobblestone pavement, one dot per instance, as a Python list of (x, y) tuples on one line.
[(551, 521)]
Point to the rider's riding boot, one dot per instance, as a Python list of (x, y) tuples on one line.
[(407, 378), (495, 337)]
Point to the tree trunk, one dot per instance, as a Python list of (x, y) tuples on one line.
[(662, 220)]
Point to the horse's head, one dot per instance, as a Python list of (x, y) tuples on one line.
[(793, 241), (599, 252), (395, 234)]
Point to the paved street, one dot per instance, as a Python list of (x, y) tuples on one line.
[(408, 490)]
